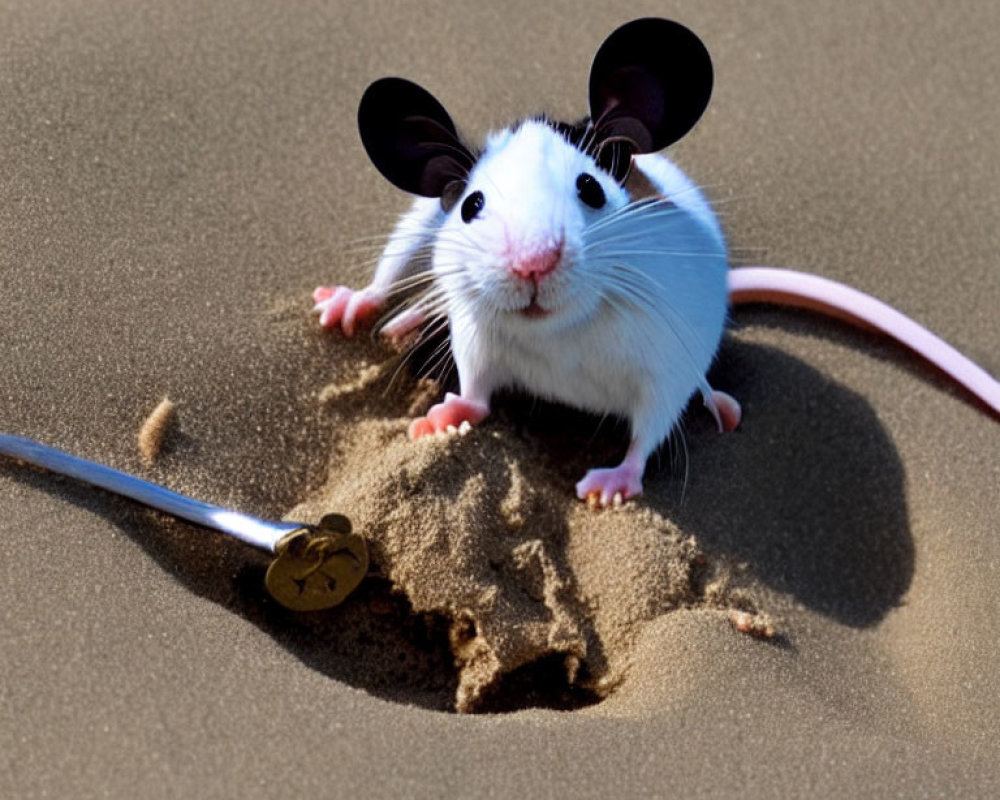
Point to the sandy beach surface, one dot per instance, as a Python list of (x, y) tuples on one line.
[(176, 177)]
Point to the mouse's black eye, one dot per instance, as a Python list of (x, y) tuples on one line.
[(590, 190), (472, 205)]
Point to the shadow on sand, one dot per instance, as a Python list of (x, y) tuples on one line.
[(809, 493)]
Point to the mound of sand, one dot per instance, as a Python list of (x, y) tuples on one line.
[(483, 529)]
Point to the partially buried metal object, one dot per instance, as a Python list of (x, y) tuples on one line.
[(315, 566)]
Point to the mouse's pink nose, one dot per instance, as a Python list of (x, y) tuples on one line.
[(538, 264)]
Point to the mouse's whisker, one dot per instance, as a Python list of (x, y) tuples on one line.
[(434, 360), (421, 278), (458, 239), (674, 256), (645, 210), (660, 205), (409, 283), (440, 357), (680, 454), (430, 330), (653, 208), (454, 251), (364, 250), (626, 306), (429, 303), (425, 305), (587, 138), (418, 254), (670, 253), (637, 300), (433, 301), (636, 288), (684, 337), (467, 159), (377, 238), (404, 233), (448, 274), (642, 231)]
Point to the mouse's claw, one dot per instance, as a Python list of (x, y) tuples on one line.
[(455, 414), (610, 486)]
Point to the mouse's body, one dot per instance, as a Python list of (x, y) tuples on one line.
[(577, 304), (556, 274), (615, 310)]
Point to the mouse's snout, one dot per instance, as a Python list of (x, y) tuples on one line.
[(533, 265)]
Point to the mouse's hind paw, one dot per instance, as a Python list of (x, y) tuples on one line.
[(725, 408)]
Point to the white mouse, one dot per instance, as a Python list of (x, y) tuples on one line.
[(573, 262)]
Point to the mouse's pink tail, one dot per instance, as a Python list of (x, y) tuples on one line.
[(790, 288)]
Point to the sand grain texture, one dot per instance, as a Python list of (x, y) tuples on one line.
[(176, 179), (478, 528)]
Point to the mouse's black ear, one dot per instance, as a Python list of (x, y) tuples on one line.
[(649, 84), (411, 139)]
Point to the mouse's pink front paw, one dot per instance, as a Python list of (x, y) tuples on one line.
[(344, 307), (450, 414), (610, 485)]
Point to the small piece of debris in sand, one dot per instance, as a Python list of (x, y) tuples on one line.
[(757, 625), (154, 429)]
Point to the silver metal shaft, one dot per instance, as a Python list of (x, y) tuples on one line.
[(260, 533)]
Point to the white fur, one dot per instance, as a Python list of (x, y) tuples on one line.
[(640, 352), (415, 230)]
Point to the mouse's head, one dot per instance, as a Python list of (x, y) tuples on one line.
[(517, 211)]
